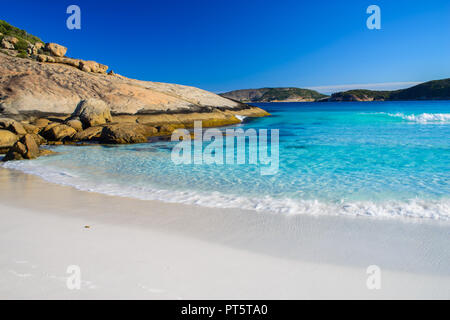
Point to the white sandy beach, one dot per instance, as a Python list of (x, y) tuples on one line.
[(153, 250)]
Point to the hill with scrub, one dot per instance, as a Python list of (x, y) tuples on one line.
[(274, 95), (431, 90)]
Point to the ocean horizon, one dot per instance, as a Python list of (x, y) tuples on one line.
[(379, 159)]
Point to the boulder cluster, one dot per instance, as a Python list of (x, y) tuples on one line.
[(91, 122), (50, 53)]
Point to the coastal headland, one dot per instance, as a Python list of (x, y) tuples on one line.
[(49, 98)]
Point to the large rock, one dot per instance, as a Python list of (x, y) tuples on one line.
[(56, 49), (17, 152), (69, 61), (75, 123), (12, 125), (38, 139), (38, 45), (124, 133), (41, 122), (26, 148), (49, 126), (32, 147), (7, 139), (11, 39), (33, 49), (93, 112), (92, 66), (59, 132), (33, 87), (32, 129), (92, 133), (6, 44), (45, 58)]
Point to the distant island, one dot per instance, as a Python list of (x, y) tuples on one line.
[(431, 90)]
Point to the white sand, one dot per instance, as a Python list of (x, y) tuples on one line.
[(152, 250)]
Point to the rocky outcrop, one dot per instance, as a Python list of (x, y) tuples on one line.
[(13, 126), (41, 123), (87, 66), (38, 138), (89, 134), (33, 49), (92, 66), (11, 39), (7, 43), (16, 152), (7, 139), (49, 98), (26, 148), (56, 49), (30, 87), (92, 112), (126, 133), (32, 129), (75, 123), (58, 132)]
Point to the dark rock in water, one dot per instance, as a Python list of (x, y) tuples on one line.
[(45, 152), (32, 147), (17, 152), (150, 149)]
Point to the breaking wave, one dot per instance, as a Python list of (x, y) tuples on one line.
[(413, 208), (419, 118)]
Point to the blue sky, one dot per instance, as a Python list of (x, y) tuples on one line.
[(224, 45)]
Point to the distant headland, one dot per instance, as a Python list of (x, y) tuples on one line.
[(431, 90), (47, 97)]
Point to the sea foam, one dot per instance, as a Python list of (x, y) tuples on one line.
[(420, 118)]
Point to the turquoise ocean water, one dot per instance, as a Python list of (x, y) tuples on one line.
[(385, 159)]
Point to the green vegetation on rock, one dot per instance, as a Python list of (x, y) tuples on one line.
[(8, 30)]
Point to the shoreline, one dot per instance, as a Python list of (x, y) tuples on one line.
[(204, 252), (408, 211)]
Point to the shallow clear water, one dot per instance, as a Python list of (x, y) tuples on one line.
[(387, 159)]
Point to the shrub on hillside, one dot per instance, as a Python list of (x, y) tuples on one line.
[(9, 30)]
